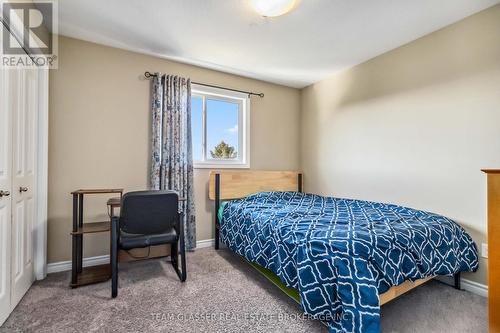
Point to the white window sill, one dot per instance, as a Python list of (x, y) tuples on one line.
[(221, 166)]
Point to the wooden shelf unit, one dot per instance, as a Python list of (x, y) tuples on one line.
[(92, 274), (92, 227), (493, 180), (80, 275)]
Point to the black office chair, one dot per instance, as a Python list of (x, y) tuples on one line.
[(148, 218)]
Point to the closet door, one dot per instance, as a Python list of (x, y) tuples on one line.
[(24, 88), (5, 196)]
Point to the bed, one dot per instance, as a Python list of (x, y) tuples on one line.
[(341, 259)]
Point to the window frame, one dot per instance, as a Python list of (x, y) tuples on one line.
[(243, 159)]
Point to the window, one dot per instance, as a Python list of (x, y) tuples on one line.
[(220, 128)]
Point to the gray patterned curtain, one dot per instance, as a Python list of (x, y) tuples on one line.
[(172, 158)]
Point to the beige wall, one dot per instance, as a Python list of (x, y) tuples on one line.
[(99, 132), (413, 126)]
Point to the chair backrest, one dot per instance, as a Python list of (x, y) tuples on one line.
[(149, 212)]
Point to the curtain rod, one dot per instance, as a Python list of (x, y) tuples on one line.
[(149, 75)]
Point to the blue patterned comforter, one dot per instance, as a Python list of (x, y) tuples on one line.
[(341, 254)]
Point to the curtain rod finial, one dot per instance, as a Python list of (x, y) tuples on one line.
[(148, 75)]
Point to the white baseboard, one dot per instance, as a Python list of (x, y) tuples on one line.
[(63, 266), (468, 285), (474, 287), (205, 243)]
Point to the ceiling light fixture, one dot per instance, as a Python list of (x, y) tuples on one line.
[(271, 8)]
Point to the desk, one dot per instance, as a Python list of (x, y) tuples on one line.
[(114, 203)]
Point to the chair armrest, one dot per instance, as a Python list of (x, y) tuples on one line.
[(180, 225)]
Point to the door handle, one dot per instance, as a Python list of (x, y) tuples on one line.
[(4, 193), (23, 189)]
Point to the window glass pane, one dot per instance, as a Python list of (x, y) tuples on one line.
[(222, 129), (197, 127)]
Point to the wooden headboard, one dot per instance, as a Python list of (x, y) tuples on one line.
[(238, 184)]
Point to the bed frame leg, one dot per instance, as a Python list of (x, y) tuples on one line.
[(456, 277), (217, 204), (299, 181)]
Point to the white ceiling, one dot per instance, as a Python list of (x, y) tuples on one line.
[(317, 39)]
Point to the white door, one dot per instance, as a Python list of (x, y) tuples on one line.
[(23, 86), (5, 197), (18, 134)]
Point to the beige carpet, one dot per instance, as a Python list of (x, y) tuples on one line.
[(222, 294)]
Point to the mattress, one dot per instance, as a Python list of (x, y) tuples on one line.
[(341, 254)]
